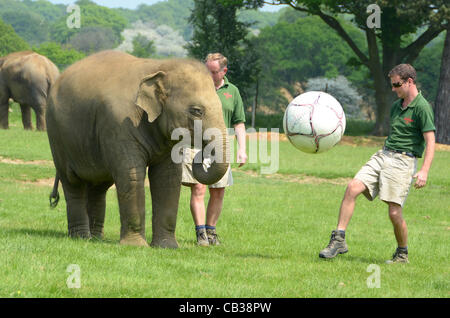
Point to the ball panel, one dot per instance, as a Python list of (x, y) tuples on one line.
[(314, 122)]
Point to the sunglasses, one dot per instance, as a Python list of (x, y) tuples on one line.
[(397, 85)]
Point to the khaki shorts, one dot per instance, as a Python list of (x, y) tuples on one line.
[(188, 177), (388, 174)]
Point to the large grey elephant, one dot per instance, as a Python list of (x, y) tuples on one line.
[(110, 117), (26, 77)]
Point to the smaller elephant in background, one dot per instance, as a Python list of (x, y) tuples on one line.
[(26, 77)]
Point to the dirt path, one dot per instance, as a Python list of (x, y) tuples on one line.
[(297, 178), (23, 162)]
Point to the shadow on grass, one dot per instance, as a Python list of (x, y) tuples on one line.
[(37, 232), (353, 259), (55, 234)]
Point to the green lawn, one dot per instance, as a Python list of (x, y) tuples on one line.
[(272, 229)]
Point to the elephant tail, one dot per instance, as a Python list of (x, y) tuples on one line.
[(54, 196)]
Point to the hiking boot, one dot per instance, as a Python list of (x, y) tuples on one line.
[(213, 238), (202, 237), (336, 246), (400, 256)]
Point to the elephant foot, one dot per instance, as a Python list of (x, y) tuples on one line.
[(133, 239), (165, 242), (79, 233), (98, 235), (97, 232)]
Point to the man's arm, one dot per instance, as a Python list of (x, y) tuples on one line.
[(422, 175), (239, 130)]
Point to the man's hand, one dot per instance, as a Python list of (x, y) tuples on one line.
[(421, 179), (241, 157), (422, 176), (239, 130)]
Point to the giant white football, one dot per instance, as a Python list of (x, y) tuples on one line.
[(314, 122)]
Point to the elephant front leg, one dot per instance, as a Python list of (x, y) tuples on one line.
[(131, 195), (165, 184)]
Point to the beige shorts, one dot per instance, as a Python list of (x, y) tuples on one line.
[(388, 174), (188, 177)]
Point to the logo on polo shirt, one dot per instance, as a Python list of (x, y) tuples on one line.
[(408, 120), (227, 95)]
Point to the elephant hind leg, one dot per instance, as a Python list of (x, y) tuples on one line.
[(4, 111), (26, 116), (39, 106), (76, 205), (96, 207)]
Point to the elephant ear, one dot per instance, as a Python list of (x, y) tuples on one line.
[(152, 95)]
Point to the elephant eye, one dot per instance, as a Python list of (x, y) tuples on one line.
[(196, 111)]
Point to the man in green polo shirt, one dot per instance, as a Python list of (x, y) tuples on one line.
[(390, 172), (234, 117)]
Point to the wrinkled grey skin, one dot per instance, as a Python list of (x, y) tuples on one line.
[(110, 117), (26, 77)]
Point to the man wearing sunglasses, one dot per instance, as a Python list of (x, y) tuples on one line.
[(391, 171)]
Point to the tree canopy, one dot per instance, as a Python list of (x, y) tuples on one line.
[(10, 41), (92, 15), (388, 43), (217, 29)]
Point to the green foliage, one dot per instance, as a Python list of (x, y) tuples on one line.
[(300, 49), (92, 39), (29, 25), (49, 11), (62, 57), (143, 47), (31, 19), (92, 15), (217, 29), (354, 127), (174, 13), (428, 66), (10, 41), (388, 44), (258, 19)]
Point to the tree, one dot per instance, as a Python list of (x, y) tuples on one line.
[(442, 105), (387, 45), (10, 41), (428, 65), (93, 39), (217, 29), (92, 15), (143, 47), (28, 25), (342, 89), (299, 49), (62, 57)]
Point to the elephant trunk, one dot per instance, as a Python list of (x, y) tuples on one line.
[(211, 164)]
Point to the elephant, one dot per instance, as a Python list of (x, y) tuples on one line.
[(26, 77), (110, 118)]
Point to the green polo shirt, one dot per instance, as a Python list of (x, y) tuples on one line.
[(409, 124), (232, 105)]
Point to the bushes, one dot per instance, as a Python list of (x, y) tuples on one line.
[(354, 127)]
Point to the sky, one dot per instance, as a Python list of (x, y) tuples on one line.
[(132, 4)]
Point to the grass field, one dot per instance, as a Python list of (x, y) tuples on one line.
[(272, 228)]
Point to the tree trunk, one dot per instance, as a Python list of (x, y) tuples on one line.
[(255, 105), (382, 96), (442, 104)]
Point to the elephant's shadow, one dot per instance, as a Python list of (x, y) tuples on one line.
[(54, 234)]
